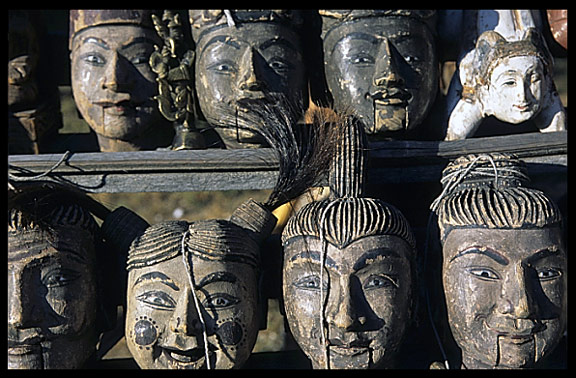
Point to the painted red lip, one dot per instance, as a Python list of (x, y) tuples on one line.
[(522, 107)]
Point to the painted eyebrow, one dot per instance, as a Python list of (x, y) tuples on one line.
[(137, 41), (494, 255), (222, 39), (372, 254), (543, 253), (97, 41), (356, 35), (217, 277), (159, 277), (278, 41), (315, 256)]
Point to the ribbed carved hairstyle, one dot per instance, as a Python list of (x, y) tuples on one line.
[(487, 190), (236, 240), (348, 216)]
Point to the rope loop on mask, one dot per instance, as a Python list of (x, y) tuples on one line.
[(451, 180), (188, 265)]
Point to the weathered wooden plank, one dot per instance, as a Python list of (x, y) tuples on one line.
[(523, 145), (536, 165), (199, 170)]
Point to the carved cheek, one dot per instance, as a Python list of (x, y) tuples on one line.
[(145, 332), (231, 333)]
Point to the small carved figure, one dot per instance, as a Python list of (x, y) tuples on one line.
[(348, 269), (504, 263), (173, 63), (112, 82), (242, 57), (33, 100), (63, 281), (507, 74), (383, 64)]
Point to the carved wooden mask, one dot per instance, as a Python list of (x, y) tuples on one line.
[(383, 64), (242, 58), (112, 82), (504, 266), (53, 288)]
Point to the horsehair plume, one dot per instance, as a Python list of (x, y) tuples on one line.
[(304, 151), (487, 190), (347, 174)]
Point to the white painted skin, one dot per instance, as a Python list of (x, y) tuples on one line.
[(517, 91)]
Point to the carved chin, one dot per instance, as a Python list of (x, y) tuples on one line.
[(389, 118)]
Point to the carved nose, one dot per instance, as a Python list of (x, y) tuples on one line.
[(115, 76), (185, 317), (515, 297), (386, 72), (250, 73), (22, 311)]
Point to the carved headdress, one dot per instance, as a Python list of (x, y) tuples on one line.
[(206, 19), (487, 190), (334, 17), (81, 19), (348, 215)]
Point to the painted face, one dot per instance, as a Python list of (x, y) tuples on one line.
[(505, 294), (112, 82), (516, 90), (52, 300), (242, 64), (385, 68), (163, 329), (366, 288)]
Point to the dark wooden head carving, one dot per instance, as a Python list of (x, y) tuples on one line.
[(112, 81), (504, 263), (383, 64), (242, 57), (348, 269)]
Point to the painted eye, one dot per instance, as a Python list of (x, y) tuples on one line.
[(509, 83), (223, 68), (378, 282), (308, 283), (484, 273), (411, 59), (535, 78), (362, 59), (157, 299), (94, 59), (279, 66), (548, 274), (220, 300), (141, 59), (59, 278)]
